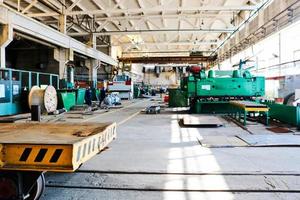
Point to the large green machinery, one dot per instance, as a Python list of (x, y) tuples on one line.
[(223, 84), (210, 93), (285, 113)]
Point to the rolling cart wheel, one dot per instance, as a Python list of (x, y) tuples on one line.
[(8, 187), (37, 189)]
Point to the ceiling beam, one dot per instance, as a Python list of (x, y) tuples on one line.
[(191, 43), (34, 28), (73, 5), (45, 8), (29, 6), (111, 19), (162, 51), (165, 60), (158, 31), (153, 9)]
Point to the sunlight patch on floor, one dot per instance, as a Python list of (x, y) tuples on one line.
[(189, 156)]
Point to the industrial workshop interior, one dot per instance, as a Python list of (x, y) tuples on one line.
[(149, 99)]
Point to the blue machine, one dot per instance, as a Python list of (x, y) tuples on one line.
[(15, 86)]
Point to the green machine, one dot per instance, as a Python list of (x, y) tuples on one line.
[(224, 84), (285, 113), (211, 93)]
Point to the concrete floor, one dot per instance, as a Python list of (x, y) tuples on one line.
[(154, 158)]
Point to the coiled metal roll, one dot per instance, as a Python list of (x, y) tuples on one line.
[(46, 98)]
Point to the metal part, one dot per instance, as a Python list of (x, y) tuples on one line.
[(203, 121), (261, 140), (153, 110)]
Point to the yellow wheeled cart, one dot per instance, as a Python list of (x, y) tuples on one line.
[(27, 150)]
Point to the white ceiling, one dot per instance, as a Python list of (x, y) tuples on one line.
[(163, 27)]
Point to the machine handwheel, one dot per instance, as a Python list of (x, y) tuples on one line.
[(37, 189)]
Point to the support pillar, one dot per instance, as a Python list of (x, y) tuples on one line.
[(6, 36), (2, 57), (66, 75), (92, 65), (92, 41), (63, 56), (62, 24), (60, 55)]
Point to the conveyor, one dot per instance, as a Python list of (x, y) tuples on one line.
[(245, 107)]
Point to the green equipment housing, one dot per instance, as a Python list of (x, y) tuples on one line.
[(223, 84), (210, 93), (285, 113)]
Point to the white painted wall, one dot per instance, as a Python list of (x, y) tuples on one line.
[(164, 79), (137, 74), (115, 52), (275, 56)]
